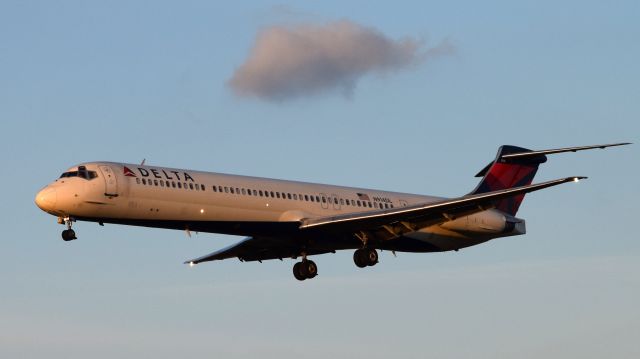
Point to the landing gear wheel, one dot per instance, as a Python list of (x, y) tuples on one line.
[(372, 256), (359, 259), (305, 270), (311, 268), (68, 235), (297, 273), (364, 257)]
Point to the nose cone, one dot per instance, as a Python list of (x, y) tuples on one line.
[(46, 199)]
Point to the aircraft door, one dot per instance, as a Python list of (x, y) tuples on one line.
[(111, 184), (324, 200), (336, 201)]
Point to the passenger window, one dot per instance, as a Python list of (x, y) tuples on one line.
[(335, 200), (324, 200), (161, 183), (244, 191), (341, 201), (272, 196), (289, 195), (226, 189), (311, 197), (138, 180), (179, 185), (358, 203), (370, 205), (317, 198), (306, 198), (255, 193), (295, 196), (237, 190), (231, 189), (260, 192), (173, 184), (220, 189), (190, 185), (277, 194), (249, 192), (202, 187), (215, 189)]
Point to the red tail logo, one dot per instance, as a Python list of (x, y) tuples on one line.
[(128, 172)]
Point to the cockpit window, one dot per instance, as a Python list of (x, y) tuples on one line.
[(82, 172)]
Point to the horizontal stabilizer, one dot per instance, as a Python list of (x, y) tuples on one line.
[(530, 154), (560, 150)]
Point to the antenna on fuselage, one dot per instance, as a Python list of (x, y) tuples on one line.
[(142, 163)]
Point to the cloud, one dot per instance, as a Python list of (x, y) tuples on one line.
[(293, 61)]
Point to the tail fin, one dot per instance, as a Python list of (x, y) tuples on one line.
[(505, 173)]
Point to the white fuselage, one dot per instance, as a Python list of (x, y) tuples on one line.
[(174, 198)]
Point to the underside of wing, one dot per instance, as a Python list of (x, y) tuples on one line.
[(258, 249)]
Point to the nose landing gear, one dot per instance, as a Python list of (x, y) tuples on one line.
[(68, 234)]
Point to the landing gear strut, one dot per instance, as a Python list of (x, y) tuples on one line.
[(365, 257), (305, 270), (68, 234)]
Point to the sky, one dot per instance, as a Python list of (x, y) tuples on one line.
[(411, 96)]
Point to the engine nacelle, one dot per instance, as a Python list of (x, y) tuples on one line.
[(487, 222)]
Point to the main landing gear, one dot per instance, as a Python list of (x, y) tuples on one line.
[(68, 234), (365, 257), (305, 270)]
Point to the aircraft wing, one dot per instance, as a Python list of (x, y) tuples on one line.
[(393, 222), (257, 249), (405, 219)]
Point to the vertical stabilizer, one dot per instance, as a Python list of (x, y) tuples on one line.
[(505, 173)]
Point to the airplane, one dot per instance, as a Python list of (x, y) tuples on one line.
[(288, 219)]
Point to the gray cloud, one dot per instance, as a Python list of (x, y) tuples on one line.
[(291, 61)]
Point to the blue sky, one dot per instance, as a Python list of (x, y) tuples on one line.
[(123, 81)]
